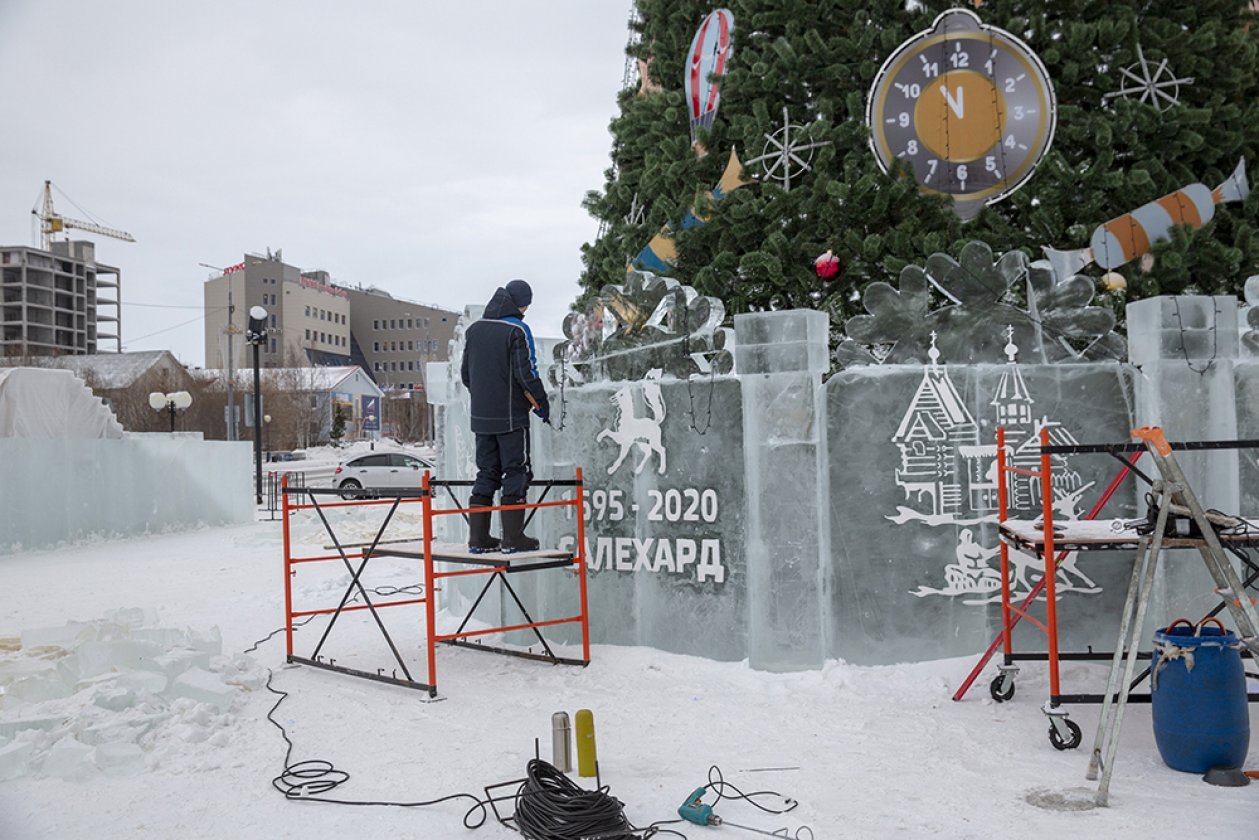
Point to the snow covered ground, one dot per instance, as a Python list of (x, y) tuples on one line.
[(880, 751)]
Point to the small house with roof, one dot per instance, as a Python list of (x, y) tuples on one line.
[(935, 427), (944, 462)]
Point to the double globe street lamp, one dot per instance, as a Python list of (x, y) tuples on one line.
[(170, 403)]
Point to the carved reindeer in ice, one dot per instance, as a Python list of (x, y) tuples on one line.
[(631, 430)]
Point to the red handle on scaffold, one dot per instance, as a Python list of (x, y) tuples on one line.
[(288, 569), (1155, 436)]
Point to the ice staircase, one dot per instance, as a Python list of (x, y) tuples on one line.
[(46, 403)]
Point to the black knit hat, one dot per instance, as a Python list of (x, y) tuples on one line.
[(520, 293)]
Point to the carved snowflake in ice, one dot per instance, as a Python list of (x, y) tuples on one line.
[(979, 312)]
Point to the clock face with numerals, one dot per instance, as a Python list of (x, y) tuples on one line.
[(968, 108)]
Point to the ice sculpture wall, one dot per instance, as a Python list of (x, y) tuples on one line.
[(741, 507), (913, 501), (58, 491)]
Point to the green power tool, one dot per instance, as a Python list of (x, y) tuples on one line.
[(694, 810)]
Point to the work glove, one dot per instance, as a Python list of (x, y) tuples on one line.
[(543, 408)]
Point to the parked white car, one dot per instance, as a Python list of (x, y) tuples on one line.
[(379, 470)]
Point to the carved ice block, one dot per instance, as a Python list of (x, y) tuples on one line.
[(1184, 327), (435, 376), (782, 342)]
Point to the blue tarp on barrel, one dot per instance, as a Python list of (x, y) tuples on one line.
[(1198, 692)]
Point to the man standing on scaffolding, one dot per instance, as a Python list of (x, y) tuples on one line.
[(501, 374)]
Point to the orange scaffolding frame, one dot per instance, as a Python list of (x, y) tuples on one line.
[(1066, 735), (496, 566), (1053, 549)]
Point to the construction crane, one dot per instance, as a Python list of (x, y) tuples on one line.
[(51, 223)]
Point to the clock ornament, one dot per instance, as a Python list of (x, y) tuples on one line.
[(968, 108)]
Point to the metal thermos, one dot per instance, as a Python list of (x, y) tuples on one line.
[(561, 742)]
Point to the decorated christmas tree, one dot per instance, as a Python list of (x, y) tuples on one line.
[(1152, 96)]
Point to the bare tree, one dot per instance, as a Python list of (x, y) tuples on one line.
[(406, 416)]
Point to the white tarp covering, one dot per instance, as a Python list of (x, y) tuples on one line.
[(41, 403)]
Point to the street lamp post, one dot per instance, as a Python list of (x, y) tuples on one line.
[(257, 335), (266, 422), (170, 403), (231, 332)]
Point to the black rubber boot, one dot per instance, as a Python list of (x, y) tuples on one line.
[(514, 537), (479, 539)]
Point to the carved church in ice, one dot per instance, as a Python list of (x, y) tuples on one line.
[(945, 470)]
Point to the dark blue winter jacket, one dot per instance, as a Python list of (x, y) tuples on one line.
[(500, 369)]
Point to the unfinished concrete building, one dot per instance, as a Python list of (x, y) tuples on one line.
[(58, 302)]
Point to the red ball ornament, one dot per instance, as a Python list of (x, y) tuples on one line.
[(827, 266)]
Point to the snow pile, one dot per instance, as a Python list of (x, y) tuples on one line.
[(116, 695)]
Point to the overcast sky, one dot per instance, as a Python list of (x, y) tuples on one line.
[(433, 149)]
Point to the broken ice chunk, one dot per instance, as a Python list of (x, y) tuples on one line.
[(14, 760), (36, 688), (13, 670), (10, 728), (172, 663), (114, 699), (119, 758), (142, 681), (210, 641), (166, 637), (69, 759), (65, 636), (204, 687), (101, 657)]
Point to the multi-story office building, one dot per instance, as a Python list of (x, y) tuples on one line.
[(58, 302), (314, 321), (397, 337), (308, 317)]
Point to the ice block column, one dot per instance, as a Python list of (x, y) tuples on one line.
[(1186, 348), (780, 358)]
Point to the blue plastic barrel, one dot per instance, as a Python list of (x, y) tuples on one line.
[(1198, 693)]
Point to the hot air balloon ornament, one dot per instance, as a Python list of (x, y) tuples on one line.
[(1133, 234), (706, 63)]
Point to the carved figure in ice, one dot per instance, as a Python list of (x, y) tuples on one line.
[(649, 322), (631, 429), (972, 572)]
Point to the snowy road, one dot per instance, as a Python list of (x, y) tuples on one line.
[(881, 752)]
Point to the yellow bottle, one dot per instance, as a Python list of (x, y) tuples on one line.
[(585, 729)]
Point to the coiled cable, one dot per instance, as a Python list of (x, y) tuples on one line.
[(550, 806)]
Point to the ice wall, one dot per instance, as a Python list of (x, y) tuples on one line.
[(740, 506), (666, 506), (781, 357), (913, 504), (56, 491), (1186, 348)]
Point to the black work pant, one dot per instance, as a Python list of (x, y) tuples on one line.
[(503, 461)]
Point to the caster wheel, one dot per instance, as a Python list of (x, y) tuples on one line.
[(998, 693), (1070, 743)]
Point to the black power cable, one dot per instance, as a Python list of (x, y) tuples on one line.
[(551, 806), (306, 781), (548, 805)]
